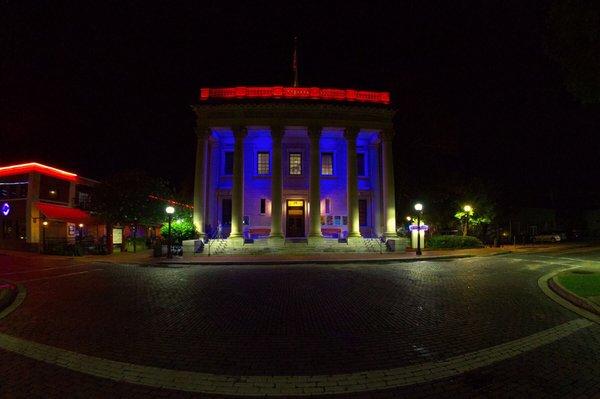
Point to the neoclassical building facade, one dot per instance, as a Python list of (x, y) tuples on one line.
[(294, 163)]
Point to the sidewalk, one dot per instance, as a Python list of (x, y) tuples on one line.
[(145, 257)]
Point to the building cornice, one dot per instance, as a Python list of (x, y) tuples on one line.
[(294, 114)]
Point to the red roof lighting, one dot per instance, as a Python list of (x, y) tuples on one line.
[(295, 93), (36, 167)]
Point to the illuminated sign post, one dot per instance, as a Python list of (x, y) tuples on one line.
[(5, 209), (414, 230)]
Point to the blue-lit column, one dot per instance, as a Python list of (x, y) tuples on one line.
[(374, 167), (200, 179), (237, 188), (276, 183), (350, 135), (389, 193), (314, 134)]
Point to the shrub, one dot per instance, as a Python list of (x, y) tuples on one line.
[(181, 229), (454, 242)]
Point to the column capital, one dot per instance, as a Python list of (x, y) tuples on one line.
[(350, 133), (202, 131), (387, 134), (239, 132), (314, 131), (277, 132)]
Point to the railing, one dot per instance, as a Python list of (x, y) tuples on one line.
[(374, 244), (218, 240)]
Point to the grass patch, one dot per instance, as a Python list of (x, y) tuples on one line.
[(582, 282)]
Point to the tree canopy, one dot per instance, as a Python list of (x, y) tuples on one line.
[(125, 198)]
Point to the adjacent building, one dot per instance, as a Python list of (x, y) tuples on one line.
[(42, 204), (295, 163)]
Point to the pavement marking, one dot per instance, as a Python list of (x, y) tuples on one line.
[(287, 385), (59, 276)]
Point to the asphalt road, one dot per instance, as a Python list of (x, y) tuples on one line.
[(299, 321)]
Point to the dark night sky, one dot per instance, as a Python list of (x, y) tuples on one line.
[(101, 88)]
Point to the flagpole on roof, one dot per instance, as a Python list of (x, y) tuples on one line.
[(295, 61)]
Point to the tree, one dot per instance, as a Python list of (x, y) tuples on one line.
[(572, 36), (471, 218), (125, 198)]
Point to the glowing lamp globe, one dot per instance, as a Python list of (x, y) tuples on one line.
[(170, 210), (467, 208), (418, 207)]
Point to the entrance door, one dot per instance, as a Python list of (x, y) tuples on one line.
[(294, 226)]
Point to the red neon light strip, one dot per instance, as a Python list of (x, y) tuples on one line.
[(36, 167), (170, 201), (300, 93)]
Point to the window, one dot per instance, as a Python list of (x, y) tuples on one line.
[(263, 206), (362, 212), (327, 205), (360, 164), (263, 163), (295, 159), (228, 170), (327, 163)]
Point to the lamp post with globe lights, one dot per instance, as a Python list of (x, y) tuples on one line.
[(419, 209), (170, 211)]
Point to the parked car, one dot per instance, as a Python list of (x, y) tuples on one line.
[(550, 237)]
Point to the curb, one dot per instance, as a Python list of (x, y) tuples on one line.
[(11, 297), (571, 297), (545, 285), (305, 261), (164, 263)]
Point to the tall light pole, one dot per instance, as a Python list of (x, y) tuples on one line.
[(44, 225), (170, 211), (468, 209), (419, 209)]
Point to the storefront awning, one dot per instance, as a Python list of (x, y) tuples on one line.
[(64, 213)]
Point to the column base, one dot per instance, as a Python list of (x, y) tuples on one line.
[(316, 241), (235, 241), (275, 241), (391, 235)]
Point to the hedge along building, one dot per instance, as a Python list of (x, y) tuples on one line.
[(294, 162)]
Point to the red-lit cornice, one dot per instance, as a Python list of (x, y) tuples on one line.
[(37, 168), (297, 93)]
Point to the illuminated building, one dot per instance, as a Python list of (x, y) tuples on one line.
[(42, 203), (294, 162)]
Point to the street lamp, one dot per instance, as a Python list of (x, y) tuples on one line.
[(468, 210), (44, 225), (170, 211), (419, 209), (80, 231)]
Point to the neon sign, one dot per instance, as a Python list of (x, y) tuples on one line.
[(294, 93), (37, 167), (5, 209), (414, 227)]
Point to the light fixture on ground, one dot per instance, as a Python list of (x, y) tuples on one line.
[(419, 209), (170, 211)]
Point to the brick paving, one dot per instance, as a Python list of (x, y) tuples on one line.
[(295, 320)]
